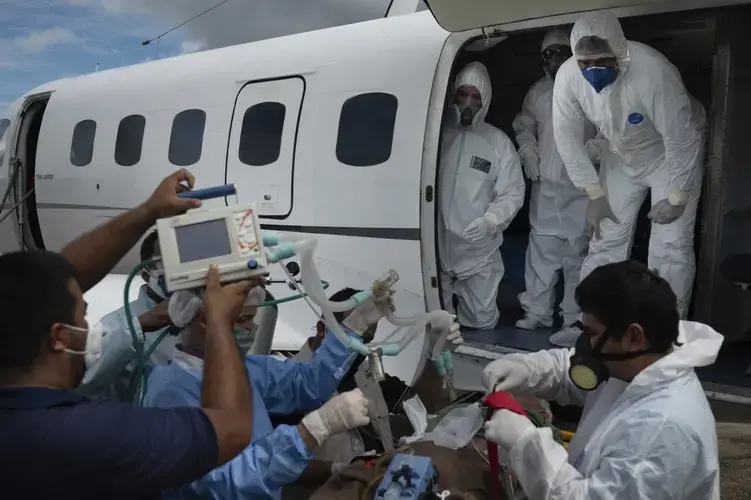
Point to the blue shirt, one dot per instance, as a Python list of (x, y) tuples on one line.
[(276, 457), (59, 444)]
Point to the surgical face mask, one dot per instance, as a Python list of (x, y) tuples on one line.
[(600, 77), (93, 350), (588, 369), (245, 338), (553, 58), (157, 283)]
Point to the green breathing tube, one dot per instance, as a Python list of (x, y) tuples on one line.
[(137, 385)]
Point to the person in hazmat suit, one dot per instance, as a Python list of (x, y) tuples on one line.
[(647, 430), (654, 129), (481, 188), (557, 209)]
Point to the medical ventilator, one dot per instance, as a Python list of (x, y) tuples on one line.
[(230, 238)]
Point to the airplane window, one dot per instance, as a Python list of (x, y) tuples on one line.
[(186, 141), (366, 129), (129, 140), (4, 123), (82, 144), (261, 134)]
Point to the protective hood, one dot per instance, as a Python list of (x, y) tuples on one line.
[(555, 37), (605, 26), (474, 74), (701, 345)]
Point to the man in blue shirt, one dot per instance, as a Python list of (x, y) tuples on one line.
[(57, 443), (276, 457)]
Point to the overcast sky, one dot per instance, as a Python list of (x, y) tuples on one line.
[(41, 40)]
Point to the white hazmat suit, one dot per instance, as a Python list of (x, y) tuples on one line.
[(481, 188), (655, 137), (654, 438), (557, 209)]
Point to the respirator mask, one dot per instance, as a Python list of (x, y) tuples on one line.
[(93, 350), (587, 368), (466, 108), (553, 58), (157, 285), (600, 76)]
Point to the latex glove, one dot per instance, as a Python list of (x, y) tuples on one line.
[(507, 428), (510, 373), (531, 163), (337, 467), (369, 313), (183, 307), (598, 209), (341, 413), (479, 229), (438, 327), (663, 212)]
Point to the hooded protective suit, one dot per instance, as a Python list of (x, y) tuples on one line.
[(655, 142), (557, 209), (652, 438), (480, 181)]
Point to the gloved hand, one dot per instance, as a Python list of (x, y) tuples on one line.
[(509, 373), (183, 307), (598, 209), (341, 413), (337, 467), (531, 163), (507, 428), (479, 229), (437, 328), (663, 212)]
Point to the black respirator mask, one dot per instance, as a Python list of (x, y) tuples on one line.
[(552, 59), (587, 369), (467, 108)]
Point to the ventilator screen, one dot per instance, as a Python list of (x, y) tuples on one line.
[(204, 240)]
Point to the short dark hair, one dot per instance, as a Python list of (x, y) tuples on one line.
[(148, 245), (628, 292), (341, 296), (34, 295)]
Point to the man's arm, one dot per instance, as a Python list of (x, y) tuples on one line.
[(95, 253), (568, 129), (672, 115), (509, 185), (525, 123), (641, 459), (289, 386)]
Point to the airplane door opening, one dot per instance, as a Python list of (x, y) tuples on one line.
[(25, 160), (262, 142)]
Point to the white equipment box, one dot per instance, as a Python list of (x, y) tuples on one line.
[(229, 237)]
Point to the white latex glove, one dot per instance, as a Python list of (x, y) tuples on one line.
[(341, 413), (531, 163), (479, 229), (337, 467), (438, 327), (507, 428), (509, 373), (599, 209), (663, 212)]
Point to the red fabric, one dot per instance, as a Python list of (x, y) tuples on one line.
[(499, 401)]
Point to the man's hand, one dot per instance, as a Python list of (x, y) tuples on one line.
[(341, 413), (164, 201), (155, 319), (224, 303), (507, 428)]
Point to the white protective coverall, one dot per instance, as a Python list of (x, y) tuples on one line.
[(480, 176), (655, 136), (654, 438), (557, 209)]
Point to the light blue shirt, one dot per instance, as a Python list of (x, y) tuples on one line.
[(275, 457), (109, 377)]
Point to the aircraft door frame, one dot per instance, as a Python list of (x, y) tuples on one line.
[(271, 185)]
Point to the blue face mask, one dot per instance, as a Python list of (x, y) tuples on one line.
[(600, 77)]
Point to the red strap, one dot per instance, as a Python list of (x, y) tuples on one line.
[(499, 401)]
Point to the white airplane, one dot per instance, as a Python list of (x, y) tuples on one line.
[(335, 133)]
